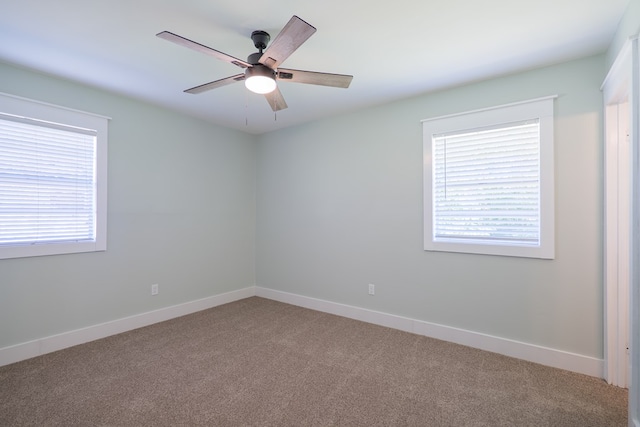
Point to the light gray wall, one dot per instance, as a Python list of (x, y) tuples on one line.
[(181, 214), (629, 26), (340, 206)]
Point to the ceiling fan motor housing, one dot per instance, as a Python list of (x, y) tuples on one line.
[(254, 58), (259, 70)]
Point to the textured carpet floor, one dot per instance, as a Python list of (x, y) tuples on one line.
[(257, 362)]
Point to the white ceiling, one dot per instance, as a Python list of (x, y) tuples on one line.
[(393, 49)]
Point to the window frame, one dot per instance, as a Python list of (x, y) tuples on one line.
[(541, 109), (24, 107)]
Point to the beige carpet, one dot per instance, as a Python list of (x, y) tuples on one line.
[(258, 362)]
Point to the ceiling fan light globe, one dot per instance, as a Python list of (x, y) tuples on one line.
[(260, 84)]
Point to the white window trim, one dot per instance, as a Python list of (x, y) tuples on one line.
[(541, 108), (25, 107)]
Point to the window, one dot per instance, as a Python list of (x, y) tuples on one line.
[(52, 179), (488, 181)]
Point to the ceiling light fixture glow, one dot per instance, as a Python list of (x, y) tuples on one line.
[(260, 79)]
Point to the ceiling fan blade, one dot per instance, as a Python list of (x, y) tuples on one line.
[(288, 40), (314, 78), (202, 48), (276, 100), (215, 84)]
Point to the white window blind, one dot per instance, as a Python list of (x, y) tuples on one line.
[(489, 181), (487, 184), (53, 179), (47, 182)]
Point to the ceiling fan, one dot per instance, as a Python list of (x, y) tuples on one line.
[(262, 69)]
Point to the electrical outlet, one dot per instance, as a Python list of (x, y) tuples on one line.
[(372, 289), (154, 289)]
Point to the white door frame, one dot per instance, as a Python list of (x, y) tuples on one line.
[(617, 250), (622, 224), (634, 386)]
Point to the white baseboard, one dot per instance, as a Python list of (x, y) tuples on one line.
[(530, 352), (52, 343)]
